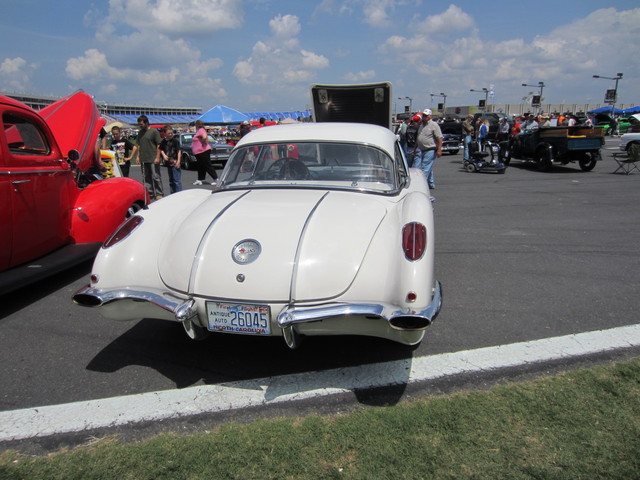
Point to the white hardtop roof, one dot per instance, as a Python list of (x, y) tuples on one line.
[(324, 132)]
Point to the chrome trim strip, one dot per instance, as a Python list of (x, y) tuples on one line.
[(53, 170), (160, 298), (291, 315)]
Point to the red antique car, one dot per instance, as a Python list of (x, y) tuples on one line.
[(52, 217)]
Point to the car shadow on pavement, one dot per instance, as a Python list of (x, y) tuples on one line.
[(223, 358), (21, 298)]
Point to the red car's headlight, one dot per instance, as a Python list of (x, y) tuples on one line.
[(123, 232), (414, 240)]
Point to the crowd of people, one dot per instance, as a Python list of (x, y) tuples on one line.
[(421, 138), (421, 135), (423, 145), (153, 148)]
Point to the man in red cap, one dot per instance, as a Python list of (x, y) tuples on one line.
[(411, 136), (428, 147)]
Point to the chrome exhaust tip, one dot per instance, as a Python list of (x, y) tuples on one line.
[(410, 323), (291, 337), (86, 299)]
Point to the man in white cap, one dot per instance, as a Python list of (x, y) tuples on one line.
[(428, 147)]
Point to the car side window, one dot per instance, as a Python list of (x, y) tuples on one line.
[(23, 136), (401, 172)]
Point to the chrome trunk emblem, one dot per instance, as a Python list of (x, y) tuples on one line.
[(246, 251)]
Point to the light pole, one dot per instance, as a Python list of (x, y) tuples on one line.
[(410, 102), (486, 97), (615, 90), (541, 86), (444, 101)]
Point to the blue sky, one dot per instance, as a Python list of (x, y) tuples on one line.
[(264, 54)]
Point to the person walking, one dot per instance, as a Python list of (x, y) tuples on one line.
[(202, 151), (402, 132), (149, 157), (172, 155), (428, 147), (411, 136)]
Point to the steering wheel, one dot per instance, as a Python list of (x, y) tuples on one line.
[(288, 169)]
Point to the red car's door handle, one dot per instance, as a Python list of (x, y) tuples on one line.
[(15, 184)]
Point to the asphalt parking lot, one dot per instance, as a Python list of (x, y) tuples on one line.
[(555, 248), (522, 256)]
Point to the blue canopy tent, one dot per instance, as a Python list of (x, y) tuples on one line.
[(221, 115), (616, 111), (631, 110)]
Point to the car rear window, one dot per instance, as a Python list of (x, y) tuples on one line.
[(311, 164), (23, 136)]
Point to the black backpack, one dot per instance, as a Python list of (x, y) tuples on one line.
[(412, 135)]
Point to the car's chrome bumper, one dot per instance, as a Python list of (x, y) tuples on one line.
[(452, 146), (184, 308), (89, 296), (400, 319)]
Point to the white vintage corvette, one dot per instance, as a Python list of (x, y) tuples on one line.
[(314, 229)]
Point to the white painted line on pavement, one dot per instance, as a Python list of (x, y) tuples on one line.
[(110, 412)]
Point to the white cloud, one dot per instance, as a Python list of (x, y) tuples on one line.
[(243, 70), (92, 65), (280, 60), (452, 19), (145, 43), (285, 26), (313, 61), (16, 73), (358, 77), (379, 13), (183, 18), (12, 65), (375, 12), (568, 55)]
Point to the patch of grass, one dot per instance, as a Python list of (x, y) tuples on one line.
[(578, 425)]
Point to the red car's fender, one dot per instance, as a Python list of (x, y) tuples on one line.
[(102, 206)]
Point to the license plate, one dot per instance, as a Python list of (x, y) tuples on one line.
[(239, 318)]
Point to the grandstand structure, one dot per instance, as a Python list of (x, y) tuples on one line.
[(159, 115)]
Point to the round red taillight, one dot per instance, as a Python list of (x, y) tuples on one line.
[(414, 240)]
